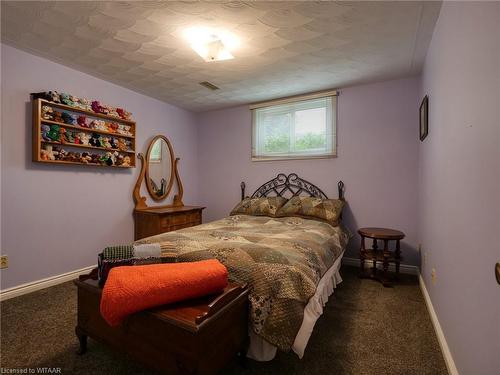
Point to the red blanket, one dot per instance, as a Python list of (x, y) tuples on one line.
[(132, 289)]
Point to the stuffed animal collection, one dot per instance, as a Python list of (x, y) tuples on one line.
[(65, 133), (55, 133), (67, 118), (83, 103), (50, 152)]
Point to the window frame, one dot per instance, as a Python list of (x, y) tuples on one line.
[(332, 95)]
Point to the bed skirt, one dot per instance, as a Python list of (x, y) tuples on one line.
[(261, 350)]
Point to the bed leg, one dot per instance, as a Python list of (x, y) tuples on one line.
[(82, 338), (242, 354)]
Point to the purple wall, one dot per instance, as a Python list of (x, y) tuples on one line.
[(459, 216), (56, 218), (378, 141)]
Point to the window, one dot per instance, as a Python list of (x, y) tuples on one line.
[(300, 129)]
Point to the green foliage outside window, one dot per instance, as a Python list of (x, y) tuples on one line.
[(310, 141)]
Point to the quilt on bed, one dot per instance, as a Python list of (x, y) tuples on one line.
[(281, 259)]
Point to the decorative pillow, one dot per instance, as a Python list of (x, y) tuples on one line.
[(266, 206), (328, 210)]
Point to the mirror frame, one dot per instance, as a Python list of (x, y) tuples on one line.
[(172, 171), (140, 201)]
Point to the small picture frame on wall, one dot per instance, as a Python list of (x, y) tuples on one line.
[(424, 118)]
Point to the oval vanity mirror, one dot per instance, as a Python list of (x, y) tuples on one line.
[(160, 167)]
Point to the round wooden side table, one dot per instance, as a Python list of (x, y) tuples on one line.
[(384, 255)]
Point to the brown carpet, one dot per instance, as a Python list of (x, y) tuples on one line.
[(365, 329)]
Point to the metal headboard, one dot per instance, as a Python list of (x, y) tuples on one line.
[(293, 184)]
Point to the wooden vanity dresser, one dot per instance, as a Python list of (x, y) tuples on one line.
[(159, 171), (155, 220)]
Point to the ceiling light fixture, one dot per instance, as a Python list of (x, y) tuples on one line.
[(211, 44)]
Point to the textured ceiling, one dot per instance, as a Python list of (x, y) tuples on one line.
[(286, 48)]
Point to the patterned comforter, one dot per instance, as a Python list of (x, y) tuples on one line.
[(281, 259)]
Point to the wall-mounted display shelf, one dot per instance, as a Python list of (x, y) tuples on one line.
[(63, 134)]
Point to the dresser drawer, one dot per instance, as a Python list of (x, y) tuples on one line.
[(152, 221), (180, 219)]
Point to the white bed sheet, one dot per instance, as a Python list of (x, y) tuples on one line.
[(261, 350)]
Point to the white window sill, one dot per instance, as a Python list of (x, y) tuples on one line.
[(298, 157)]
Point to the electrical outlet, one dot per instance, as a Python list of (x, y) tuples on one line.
[(433, 276), (4, 261)]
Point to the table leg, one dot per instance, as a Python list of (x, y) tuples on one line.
[(375, 249), (362, 256), (385, 279), (398, 258)]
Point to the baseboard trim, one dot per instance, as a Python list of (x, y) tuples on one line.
[(445, 349), (42, 284), (403, 268)]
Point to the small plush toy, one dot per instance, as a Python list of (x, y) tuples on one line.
[(45, 132), (62, 135), (54, 96), (95, 158), (124, 129), (62, 155), (49, 153), (69, 118), (98, 125), (105, 109), (54, 133), (105, 142), (85, 104), (70, 136), (58, 116), (77, 141), (96, 106), (70, 156), (106, 159), (125, 161), (82, 121), (66, 99), (84, 138), (51, 96), (123, 113), (95, 140), (127, 129), (113, 113), (122, 145), (85, 158), (47, 113), (75, 100), (110, 158), (114, 142), (112, 127), (114, 157)]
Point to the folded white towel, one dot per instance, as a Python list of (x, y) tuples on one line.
[(148, 250)]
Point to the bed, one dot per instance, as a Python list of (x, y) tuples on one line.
[(291, 264)]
